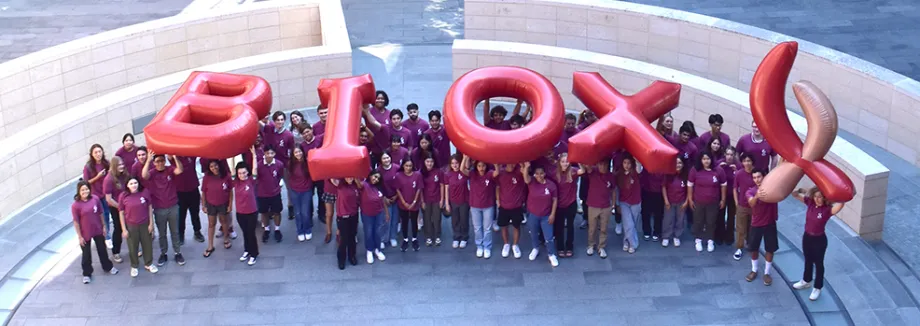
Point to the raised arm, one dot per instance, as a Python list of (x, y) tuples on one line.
[(145, 171), (517, 108), (836, 208), (255, 162), (178, 170), (485, 111), (799, 194), (370, 121), (465, 165), (525, 168)]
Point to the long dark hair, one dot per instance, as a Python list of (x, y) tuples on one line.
[(379, 184), (140, 185), (91, 163), (423, 168), (302, 163), (303, 121), (221, 170), (721, 152), (699, 161), (80, 185), (119, 179), (685, 170)]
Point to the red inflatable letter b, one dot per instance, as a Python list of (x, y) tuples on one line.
[(341, 156), (211, 115)]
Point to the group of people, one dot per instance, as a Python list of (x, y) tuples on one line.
[(415, 181)]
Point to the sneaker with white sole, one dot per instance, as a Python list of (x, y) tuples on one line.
[(134, 272), (308, 236), (393, 243), (590, 251), (487, 253), (117, 258), (801, 285), (738, 254), (478, 252), (301, 238), (815, 293), (602, 253), (428, 242), (698, 245), (553, 261), (631, 250), (218, 234), (455, 244), (370, 257), (252, 261), (380, 255), (506, 250), (152, 269), (108, 244), (462, 244), (245, 256), (113, 271), (233, 235), (676, 242), (625, 247), (665, 243), (87, 279), (533, 254), (516, 250), (710, 246), (619, 229), (437, 242), (655, 238)]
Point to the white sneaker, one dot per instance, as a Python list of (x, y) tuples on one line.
[(533, 254), (252, 261), (625, 247), (619, 228), (152, 269), (524, 221), (370, 257), (218, 234), (699, 245), (664, 243), (487, 253), (113, 271), (517, 251), (301, 238), (233, 235), (506, 250), (308, 236), (710, 246), (801, 285), (380, 255), (602, 253), (478, 252), (108, 244), (553, 260), (815, 293), (676, 242), (245, 256), (590, 251), (455, 244), (738, 254), (87, 279), (134, 272), (383, 245), (393, 243), (462, 244), (495, 228), (632, 250)]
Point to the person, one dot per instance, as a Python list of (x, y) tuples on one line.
[(674, 192), (94, 173), (268, 192), (564, 225), (755, 145), (389, 171), (706, 190), (715, 132), (433, 199), (440, 143), (189, 198), (319, 128), (665, 127), (387, 132), (381, 114), (301, 186), (542, 202), (424, 150), (409, 186), (482, 207), (373, 214), (87, 221), (135, 209), (684, 144), (298, 122), (511, 192), (494, 118), (456, 187), (398, 153), (743, 180), (652, 207), (128, 151), (629, 193), (161, 181), (416, 126), (312, 140), (715, 148), (246, 207), (140, 159), (725, 224), (113, 186), (346, 205), (763, 230), (279, 139), (814, 241), (600, 198), (216, 191)]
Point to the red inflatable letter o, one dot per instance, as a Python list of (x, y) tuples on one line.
[(341, 156), (211, 115), (498, 146)]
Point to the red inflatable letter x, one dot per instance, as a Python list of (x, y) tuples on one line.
[(624, 122), (211, 115)]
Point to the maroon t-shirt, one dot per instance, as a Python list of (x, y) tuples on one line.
[(216, 189), (441, 146), (89, 214), (127, 157), (651, 182), (512, 190), (707, 185), (629, 188), (482, 190), (742, 182), (328, 187), (136, 207), (109, 187), (432, 190), (188, 179), (136, 169), (386, 131), (408, 185), (398, 156), (568, 191), (389, 180), (317, 142), (677, 190), (458, 191), (762, 214), (371, 200), (687, 151), (729, 169), (162, 186), (299, 179), (760, 151), (346, 198), (540, 197), (600, 189), (268, 182), (816, 217), (282, 142), (319, 128), (418, 163), (504, 125), (416, 128), (244, 196), (703, 140), (96, 187)]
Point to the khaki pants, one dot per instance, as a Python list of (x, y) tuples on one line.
[(598, 218), (742, 225)]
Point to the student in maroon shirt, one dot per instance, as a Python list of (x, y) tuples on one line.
[(674, 192), (715, 132), (385, 133), (278, 138), (652, 204), (141, 158), (373, 214), (565, 177), (246, 207), (416, 126), (814, 241), (189, 197), (319, 128), (216, 191), (763, 229), (128, 151), (714, 146), (439, 140), (135, 209), (511, 193), (456, 188), (629, 193), (482, 206), (706, 193), (113, 186), (665, 127), (270, 172), (409, 186), (87, 221), (725, 225), (398, 153), (433, 199), (684, 144), (542, 205), (94, 173), (743, 180), (425, 149), (494, 118), (347, 197), (599, 199), (312, 140), (161, 181), (755, 145), (301, 186)]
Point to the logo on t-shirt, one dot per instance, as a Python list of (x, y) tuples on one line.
[(419, 132), (379, 194), (440, 138), (275, 174), (223, 186), (143, 200), (715, 180), (820, 215), (168, 178), (247, 188), (459, 176), (631, 181), (487, 182), (402, 140), (763, 152), (609, 185), (413, 184), (281, 143), (686, 155), (683, 184), (513, 180), (96, 210), (546, 191)]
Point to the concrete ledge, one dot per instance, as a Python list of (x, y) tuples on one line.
[(699, 98), (873, 102)]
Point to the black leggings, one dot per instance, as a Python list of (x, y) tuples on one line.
[(87, 261), (652, 210), (564, 227), (814, 247), (248, 224), (409, 220), (189, 202), (116, 233)]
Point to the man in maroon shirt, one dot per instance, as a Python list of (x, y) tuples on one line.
[(755, 145), (763, 229), (161, 183), (319, 128), (742, 182), (415, 125), (439, 140)]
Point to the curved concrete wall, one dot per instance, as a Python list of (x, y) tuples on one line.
[(873, 102), (699, 98)]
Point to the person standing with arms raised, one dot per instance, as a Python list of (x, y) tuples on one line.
[(161, 181), (814, 241)]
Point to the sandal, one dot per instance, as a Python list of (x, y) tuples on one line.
[(208, 252), (569, 253), (560, 253), (227, 244)]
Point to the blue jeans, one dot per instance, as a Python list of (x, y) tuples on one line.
[(482, 219), (107, 218), (372, 225), (631, 215), (303, 211), (389, 231), (537, 223)]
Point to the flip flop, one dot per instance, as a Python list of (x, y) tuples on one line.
[(207, 252), (227, 244)]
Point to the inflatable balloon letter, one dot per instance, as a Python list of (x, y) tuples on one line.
[(503, 146), (769, 111), (623, 121), (341, 155), (211, 115)]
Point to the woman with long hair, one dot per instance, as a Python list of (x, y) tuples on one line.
[(94, 174), (564, 224), (423, 151), (409, 185), (814, 241), (674, 192), (665, 126), (389, 171), (433, 200), (706, 193), (247, 210), (301, 186), (725, 224), (542, 205), (716, 148), (217, 193), (373, 214), (135, 210), (297, 125), (482, 206), (456, 188), (629, 193), (87, 221), (113, 186)]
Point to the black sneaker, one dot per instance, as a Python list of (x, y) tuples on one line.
[(353, 261), (290, 212), (162, 260), (180, 260), (415, 244), (199, 237), (277, 235), (405, 245), (341, 264), (265, 235)]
